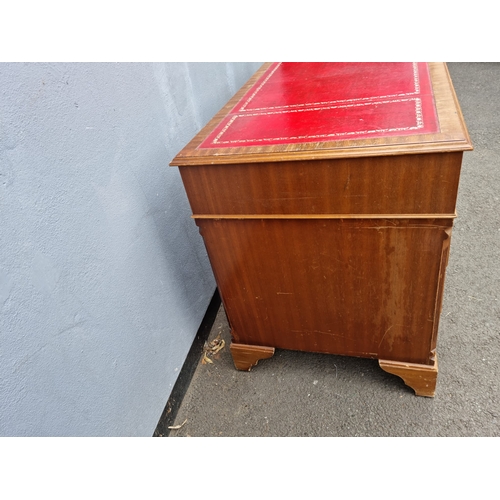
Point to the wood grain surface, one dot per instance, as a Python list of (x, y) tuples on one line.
[(366, 288), (405, 184)]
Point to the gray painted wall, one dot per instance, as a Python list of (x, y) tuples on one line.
[(104, 278)]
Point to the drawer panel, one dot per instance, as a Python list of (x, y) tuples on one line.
[(401, 184)]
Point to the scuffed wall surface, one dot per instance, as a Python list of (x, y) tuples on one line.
[(104, 279)]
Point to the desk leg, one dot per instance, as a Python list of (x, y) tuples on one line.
[(421, 378), (245, 356)]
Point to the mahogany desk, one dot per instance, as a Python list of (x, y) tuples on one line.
[(325, 194)]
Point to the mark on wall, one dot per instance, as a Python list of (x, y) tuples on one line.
[(45, 274), (6, 284)]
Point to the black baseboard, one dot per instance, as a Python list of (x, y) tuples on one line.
[(189, 367)]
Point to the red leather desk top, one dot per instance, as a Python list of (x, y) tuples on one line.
[(315, 102)]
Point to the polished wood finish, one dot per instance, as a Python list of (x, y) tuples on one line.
[(406, 184), (421, 378), (246, 356), (338, 247), (357, 287)]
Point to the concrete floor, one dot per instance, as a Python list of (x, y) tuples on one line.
[(303, 394)]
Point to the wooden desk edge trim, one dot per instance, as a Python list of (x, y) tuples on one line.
[(323, 154), (458, 109), (324, 216)]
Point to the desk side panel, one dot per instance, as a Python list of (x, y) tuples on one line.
[(366, 288)]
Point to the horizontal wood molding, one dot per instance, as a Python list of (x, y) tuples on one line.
[(326, 216)]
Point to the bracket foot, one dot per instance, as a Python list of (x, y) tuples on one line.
[(245, 356), (421, 378)]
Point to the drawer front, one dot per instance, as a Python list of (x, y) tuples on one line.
[(389, 185)]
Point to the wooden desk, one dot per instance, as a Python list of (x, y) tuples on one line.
[(325, 194)]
